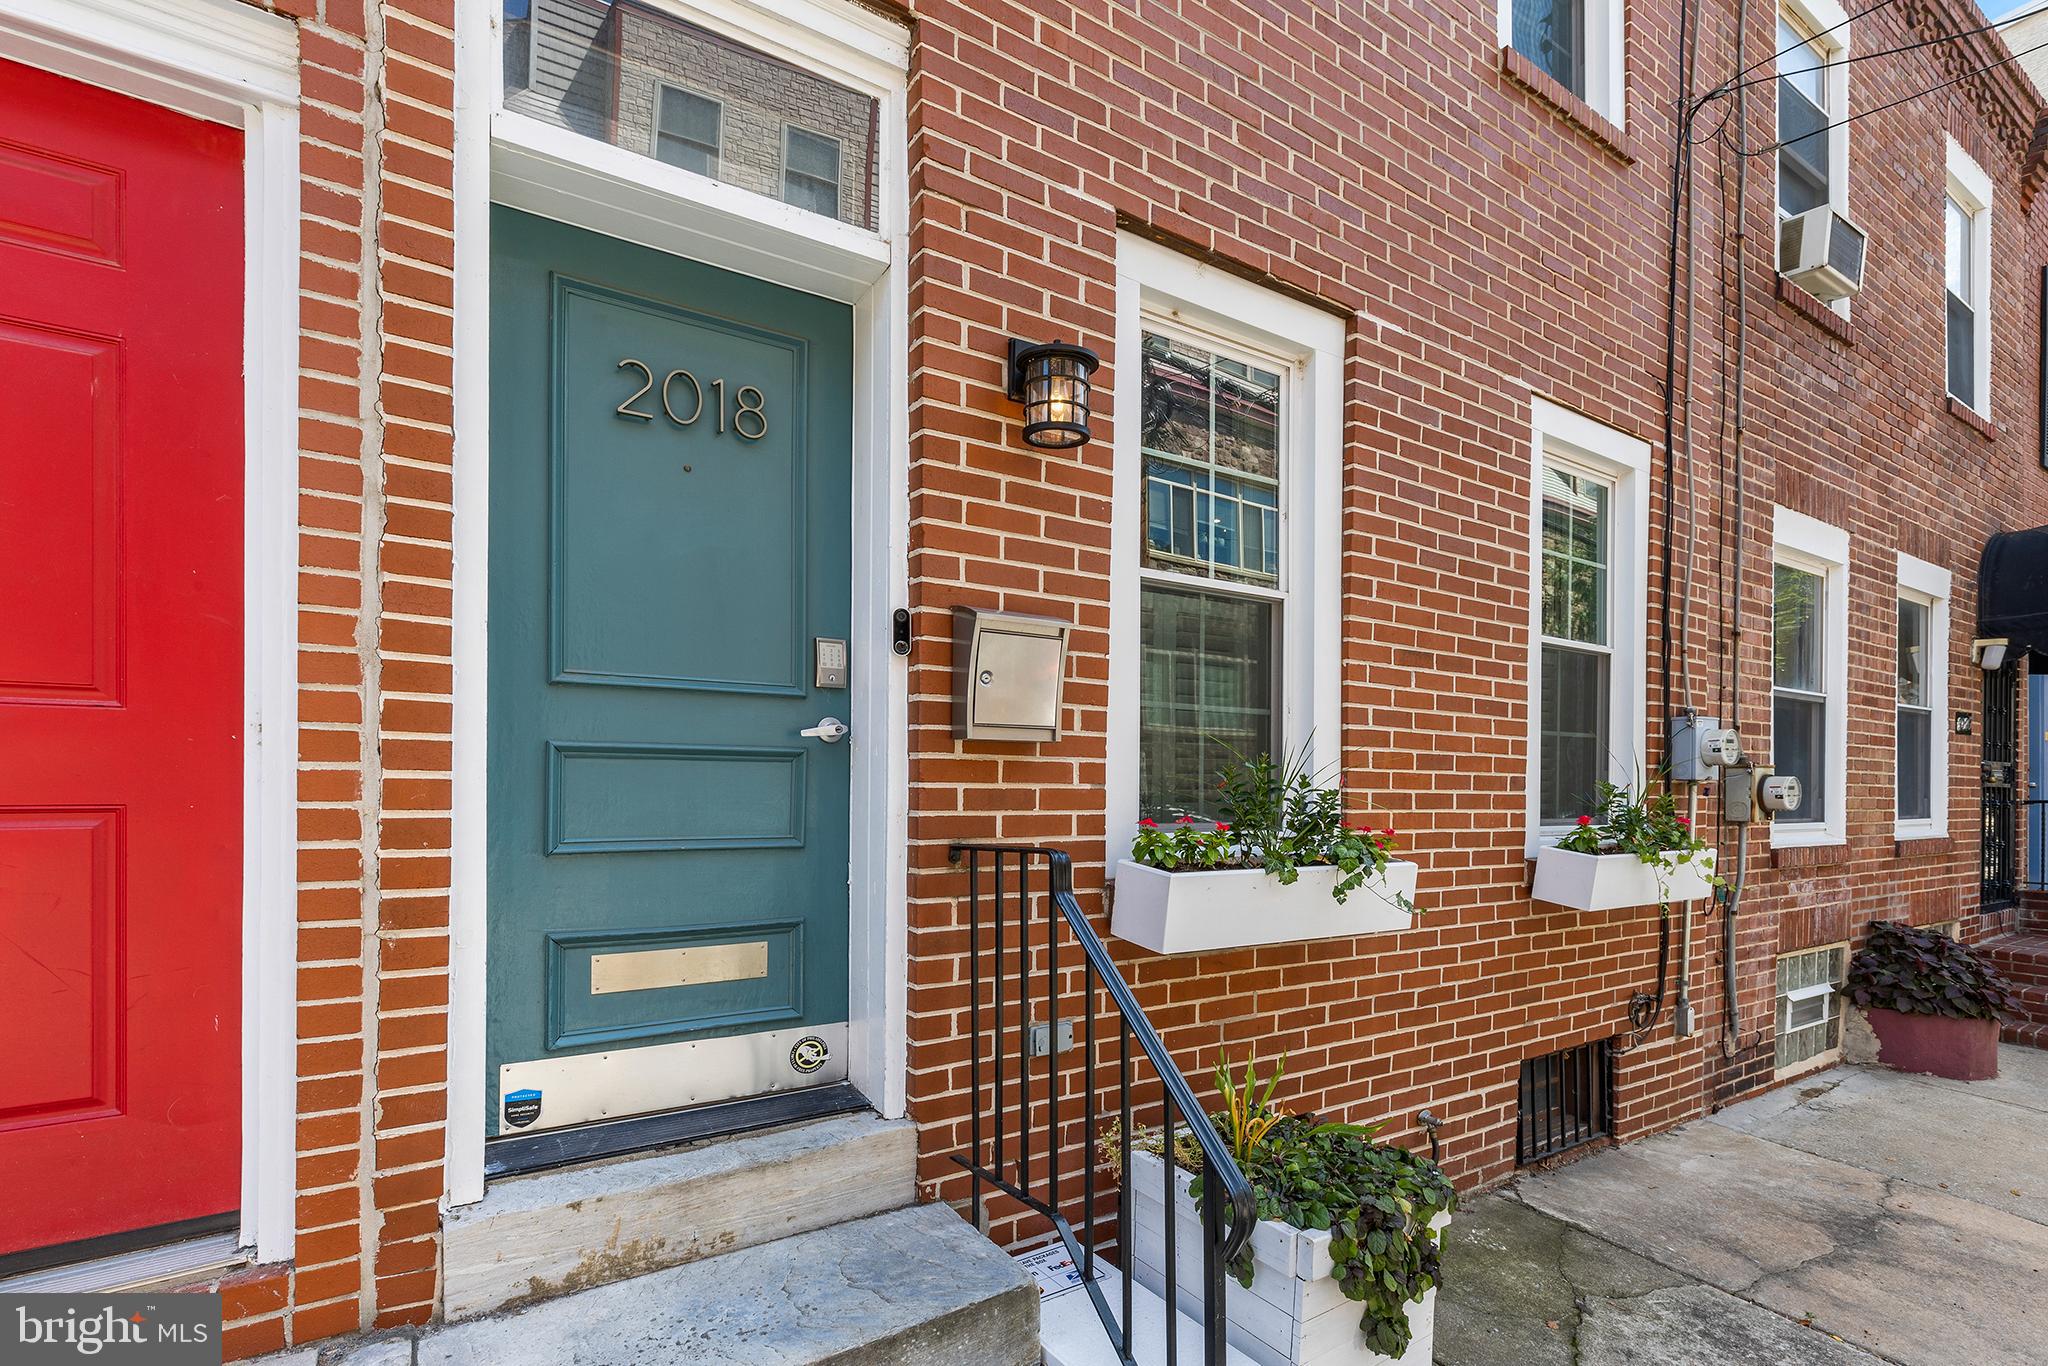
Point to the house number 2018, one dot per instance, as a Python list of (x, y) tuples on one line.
[(745, 416)]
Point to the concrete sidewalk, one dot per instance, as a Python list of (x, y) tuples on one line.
[(1857, 1216)]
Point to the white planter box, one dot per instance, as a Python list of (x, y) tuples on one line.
[(1607, 882), (1234, 907), (1293, 1312)]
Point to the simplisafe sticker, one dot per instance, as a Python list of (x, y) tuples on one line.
[(522, 1108), (150, 1330), (809, 1054)]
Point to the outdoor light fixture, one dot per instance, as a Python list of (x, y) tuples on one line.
[(1990, 653), (1051, 380)]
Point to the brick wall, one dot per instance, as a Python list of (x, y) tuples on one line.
[(1487, 237), (375, 560)]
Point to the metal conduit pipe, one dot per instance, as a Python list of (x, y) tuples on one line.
[(1732, 1026)]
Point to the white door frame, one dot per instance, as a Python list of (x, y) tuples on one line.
[(511, 158), (230, 63)]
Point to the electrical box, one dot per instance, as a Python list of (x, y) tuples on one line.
[(1008, 671), (1695, 741), (1738, 793)]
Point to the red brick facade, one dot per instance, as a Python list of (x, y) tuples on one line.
[(1486, 238)]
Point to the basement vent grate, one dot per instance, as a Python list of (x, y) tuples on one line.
[(1566, 1099)]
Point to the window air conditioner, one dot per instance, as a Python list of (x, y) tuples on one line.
[(1822, 253)]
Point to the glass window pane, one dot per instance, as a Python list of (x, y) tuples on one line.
[(1796, 658), (1206, 693), (1962, 350), (1573, 740), (1575, 556), (1799, 63), (1916, 755), (1912, 653), (1212, 423), (1803, 156), (1798, 747), (810, 174), (686, 130), (599, 69), (1960, 242), (1811, 1026), (1551, 33)]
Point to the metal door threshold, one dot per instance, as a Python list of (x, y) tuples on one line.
[(522, 1153)]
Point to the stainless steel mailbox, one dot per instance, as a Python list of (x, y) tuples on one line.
[(1008, 670)]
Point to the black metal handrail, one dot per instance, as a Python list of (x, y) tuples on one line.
[(1228, 1208)]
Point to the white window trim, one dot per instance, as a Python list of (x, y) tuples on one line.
[(1187, 295), (1803, 542), (1971, 188), (1606, 40), (1933, 585), (1560, 436), (661, 89)]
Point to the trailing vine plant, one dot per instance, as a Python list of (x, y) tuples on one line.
[(1377, 1200)]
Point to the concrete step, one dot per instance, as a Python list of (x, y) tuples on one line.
[(912, 1287), (1071, 1333), (557, 1232)]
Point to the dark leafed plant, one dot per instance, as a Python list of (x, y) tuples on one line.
[(1918, 972), (1377, 1200)]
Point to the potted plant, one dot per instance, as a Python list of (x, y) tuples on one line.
[(1281, 864), (1634, 852), (1932, 1002), (1343, 1266)]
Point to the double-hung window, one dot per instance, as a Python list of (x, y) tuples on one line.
[(1210, 601), (1225, 632), (1967, 220), (1922, 771), (1590, 517), (686, 130), (1805, 109), (1809, 675), (1577, 43)]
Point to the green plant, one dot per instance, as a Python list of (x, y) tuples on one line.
[(1186, 844), (1377, 1200), (1918, 972), (1278, 817), (1648, 827)]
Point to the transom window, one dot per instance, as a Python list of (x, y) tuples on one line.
[(1799, 699), (1577, 649), (686, 130), (810, 171), (1210, 601), (1916, 712)]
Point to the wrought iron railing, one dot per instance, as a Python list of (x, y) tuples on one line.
[(1017, 1138)]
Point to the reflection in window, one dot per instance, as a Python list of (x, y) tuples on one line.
[(1205, 694), (627, 73), (686, 131), (1552, 34), (1916, 714), (1574, 691), (1804, 173), (1962, 296), (810, 172), (1799, 699)]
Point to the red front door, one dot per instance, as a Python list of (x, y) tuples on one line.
[(120, 663)]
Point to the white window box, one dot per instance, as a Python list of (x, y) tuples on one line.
[(1293, 1311), (1608, 882), (1230, 908)]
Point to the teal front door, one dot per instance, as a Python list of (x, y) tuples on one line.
[(669, 610)]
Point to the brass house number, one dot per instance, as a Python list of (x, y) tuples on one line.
[(745, 414)]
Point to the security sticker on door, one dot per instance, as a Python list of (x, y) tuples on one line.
[(522, 1108)]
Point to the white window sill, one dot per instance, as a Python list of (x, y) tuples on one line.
[(1919, 830), (1805, 836)]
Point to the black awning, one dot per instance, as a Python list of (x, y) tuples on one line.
[(2012, 590)]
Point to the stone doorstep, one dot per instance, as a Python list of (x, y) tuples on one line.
[(535, 1237), (913, 1287)]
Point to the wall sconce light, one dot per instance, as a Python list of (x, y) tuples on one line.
[(1052, 380), (1990, 653)]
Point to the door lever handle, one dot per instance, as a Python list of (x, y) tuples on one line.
[(831, 730)]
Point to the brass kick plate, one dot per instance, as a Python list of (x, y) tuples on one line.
[(694, 966)]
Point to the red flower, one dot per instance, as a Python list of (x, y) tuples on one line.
[(1683, 821), (1585, 820), (1149, 823), (1222, 829), (1185, 820)]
